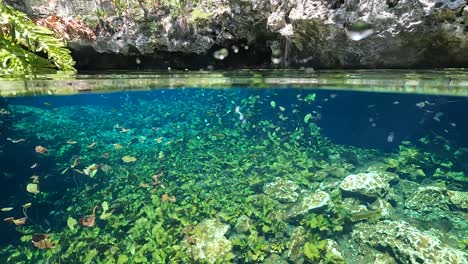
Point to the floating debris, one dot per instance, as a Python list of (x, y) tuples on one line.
[(32, 188), (42, 241), (41, 150), (71, 223), (117, 146), (17, 222), (128, 159), (91, 170), (89, 221), (167, 198)]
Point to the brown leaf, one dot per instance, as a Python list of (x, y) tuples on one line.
[(42, 241)]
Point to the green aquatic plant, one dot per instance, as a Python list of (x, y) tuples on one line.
[(315, 250), (22, 43), (324, 224)]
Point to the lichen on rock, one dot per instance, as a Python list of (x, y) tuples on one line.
[(407, 243), (210, 243), (282, 190), (310, 201), (370, 184)]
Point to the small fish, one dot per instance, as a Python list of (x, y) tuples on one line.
[(6, 209), (71, 142), (35, 165), (423, 104), (391, 137), (92, 145), (453, 124), (14, 141), (47, 104), (437, 116)]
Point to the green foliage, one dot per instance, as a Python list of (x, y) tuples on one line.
[(315, 250), (21, 41), (198, 15), (432, 157), (323, 224)]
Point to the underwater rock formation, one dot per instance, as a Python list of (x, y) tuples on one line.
[(294, 252), (406, 243), (371, 184), (282, 190), (311, 201), (310, 33), (432, 199), (211, 245), (243, 224)]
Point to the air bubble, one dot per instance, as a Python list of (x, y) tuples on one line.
[(221, 54)]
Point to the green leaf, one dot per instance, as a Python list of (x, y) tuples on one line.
[(71, 223), (122, 259)]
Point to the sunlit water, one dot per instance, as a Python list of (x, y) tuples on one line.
[(235, 175)]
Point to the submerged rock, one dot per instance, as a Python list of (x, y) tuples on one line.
[(210, 243), (333, 252), (384, 259), (370, 184), (282, 190), (243, 224), (458, 199), (428, 199), (294, 252), (311, 201), (432, 199), (407, 243)]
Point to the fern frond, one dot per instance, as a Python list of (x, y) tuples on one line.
[(20, 38)]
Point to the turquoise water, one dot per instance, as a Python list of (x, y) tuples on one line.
[(233, 175)]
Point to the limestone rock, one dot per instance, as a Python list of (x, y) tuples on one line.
[(407, 243), (282, 190), (310, 201), (294, 252), (429, 199), (333, 251), (371, 184), (383, 207), (407, 33), (458, 199), (432, 198), (384, 259), (210, 243)]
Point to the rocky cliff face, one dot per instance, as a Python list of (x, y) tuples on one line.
[(260, 33)]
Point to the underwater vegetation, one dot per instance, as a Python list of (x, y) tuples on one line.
[(220, 176)]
